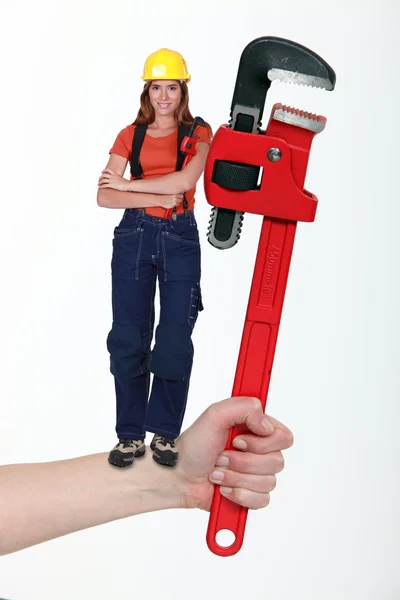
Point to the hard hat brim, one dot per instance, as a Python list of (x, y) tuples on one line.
[(187, 79)]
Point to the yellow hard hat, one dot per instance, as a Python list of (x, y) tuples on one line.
[(165, 64)]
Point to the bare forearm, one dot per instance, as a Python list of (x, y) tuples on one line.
[(173, 183), (43, 501), (110, 198)]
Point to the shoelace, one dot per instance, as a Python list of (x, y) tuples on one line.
[(164, 441), (130, 443)]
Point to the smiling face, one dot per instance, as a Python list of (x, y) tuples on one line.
[(165, 97)]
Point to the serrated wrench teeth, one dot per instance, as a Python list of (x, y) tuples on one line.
[(300, 118), (218, 241), (300, 79)]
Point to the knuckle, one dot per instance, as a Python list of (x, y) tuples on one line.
[(232, 479), (288, 438), (213, 411), (248, 403), (259, 501), (265, 445), (266, 500), (240, 496), (271, 483), (245, 461), (280, 462)]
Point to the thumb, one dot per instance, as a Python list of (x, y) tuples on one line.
[(242, 410), (210, 431)]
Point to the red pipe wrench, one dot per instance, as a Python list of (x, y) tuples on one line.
[(186, 151), (232, 186)]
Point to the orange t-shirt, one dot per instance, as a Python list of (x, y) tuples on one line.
[(157, 157)]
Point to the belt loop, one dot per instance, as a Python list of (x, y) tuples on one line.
[(140, 212)]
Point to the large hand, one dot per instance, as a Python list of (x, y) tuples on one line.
[(111, 179), (248, 474)]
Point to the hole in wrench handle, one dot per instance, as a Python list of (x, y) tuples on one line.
[(256, 356), (225, 515)]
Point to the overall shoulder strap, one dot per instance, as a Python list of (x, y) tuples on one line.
[(186, 130), (183, 131), (137, 142)]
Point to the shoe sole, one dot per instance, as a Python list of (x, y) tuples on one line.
[(166, 462), (117, 459)]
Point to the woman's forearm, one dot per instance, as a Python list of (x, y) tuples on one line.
[(173, 183), (110, 198), (43, 501)]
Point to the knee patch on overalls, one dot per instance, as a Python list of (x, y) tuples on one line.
[(127, 356), (172, 354)]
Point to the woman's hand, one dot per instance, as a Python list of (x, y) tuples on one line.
[(111, 179), (246, 475), (170, 201)]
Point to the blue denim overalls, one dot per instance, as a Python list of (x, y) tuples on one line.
[(144, 248)]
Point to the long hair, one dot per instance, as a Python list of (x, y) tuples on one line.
[(146, 113)]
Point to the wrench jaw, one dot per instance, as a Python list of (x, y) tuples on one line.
[(296, 129), (224, 228), (225, 225), (264, 60), (267, 59), (301, 79), (298, 118)]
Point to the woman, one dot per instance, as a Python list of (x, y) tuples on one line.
[(157, 237)]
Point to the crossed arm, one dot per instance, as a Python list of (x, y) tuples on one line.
[(116, 192)]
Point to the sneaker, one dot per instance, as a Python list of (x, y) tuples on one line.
[(154, 441), (125, 451), (165, 451)]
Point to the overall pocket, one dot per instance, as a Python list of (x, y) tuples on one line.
[(123, 230), (183, 238), (127, 248), (195, 305), (184, 232), (129, 225)]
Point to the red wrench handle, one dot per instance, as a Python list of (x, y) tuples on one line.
[(267, 292), (256, 357)]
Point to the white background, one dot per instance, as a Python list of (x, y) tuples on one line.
[(70, 81)]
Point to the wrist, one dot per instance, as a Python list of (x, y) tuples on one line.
[(147, 199), (154, 199), (155, 486), (130, 186)]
